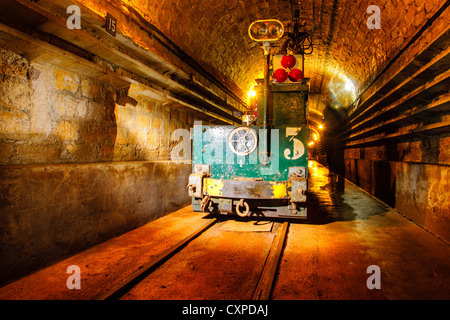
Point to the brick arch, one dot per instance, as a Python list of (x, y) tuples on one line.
[(215, 34)]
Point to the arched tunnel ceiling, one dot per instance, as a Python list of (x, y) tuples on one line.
[(215, 33)]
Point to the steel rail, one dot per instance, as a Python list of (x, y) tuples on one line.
[(126, 285), (266, 281)]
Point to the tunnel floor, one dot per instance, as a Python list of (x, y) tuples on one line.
[(329, 256)]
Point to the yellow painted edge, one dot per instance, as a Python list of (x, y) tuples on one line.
[(214, 187)]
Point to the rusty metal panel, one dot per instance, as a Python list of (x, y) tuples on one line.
[(246, 189), (288, 104)]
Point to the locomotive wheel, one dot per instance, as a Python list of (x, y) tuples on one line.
[(242, 203)]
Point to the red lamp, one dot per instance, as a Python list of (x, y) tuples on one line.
[(295, 75), (280, 75), (288, 61)]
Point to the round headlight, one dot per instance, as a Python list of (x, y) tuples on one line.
[(259, 31), (243, 141)]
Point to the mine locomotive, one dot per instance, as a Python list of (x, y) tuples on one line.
[(261, 168)]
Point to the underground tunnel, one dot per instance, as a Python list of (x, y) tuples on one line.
[(104, 106)]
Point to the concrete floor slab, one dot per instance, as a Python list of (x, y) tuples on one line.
[(328, 256)]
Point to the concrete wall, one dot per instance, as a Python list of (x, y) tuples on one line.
[(419, 191), (80, 162), (49, 212), (406, 168)]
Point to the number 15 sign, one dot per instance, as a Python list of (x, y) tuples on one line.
[(111, 24)]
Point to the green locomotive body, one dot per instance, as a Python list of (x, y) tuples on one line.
[(255, 170)]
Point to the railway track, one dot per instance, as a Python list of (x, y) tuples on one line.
[(261, 292), (267, 279)]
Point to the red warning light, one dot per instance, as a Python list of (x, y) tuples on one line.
[(295, 75), (293, 67), (288, 61), (280, 75)]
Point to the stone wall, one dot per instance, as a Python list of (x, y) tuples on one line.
[(80, 161), (51, 115)]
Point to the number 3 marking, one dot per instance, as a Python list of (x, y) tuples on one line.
[(299, 147)]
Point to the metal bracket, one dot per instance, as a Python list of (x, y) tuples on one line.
[(195, 185)]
